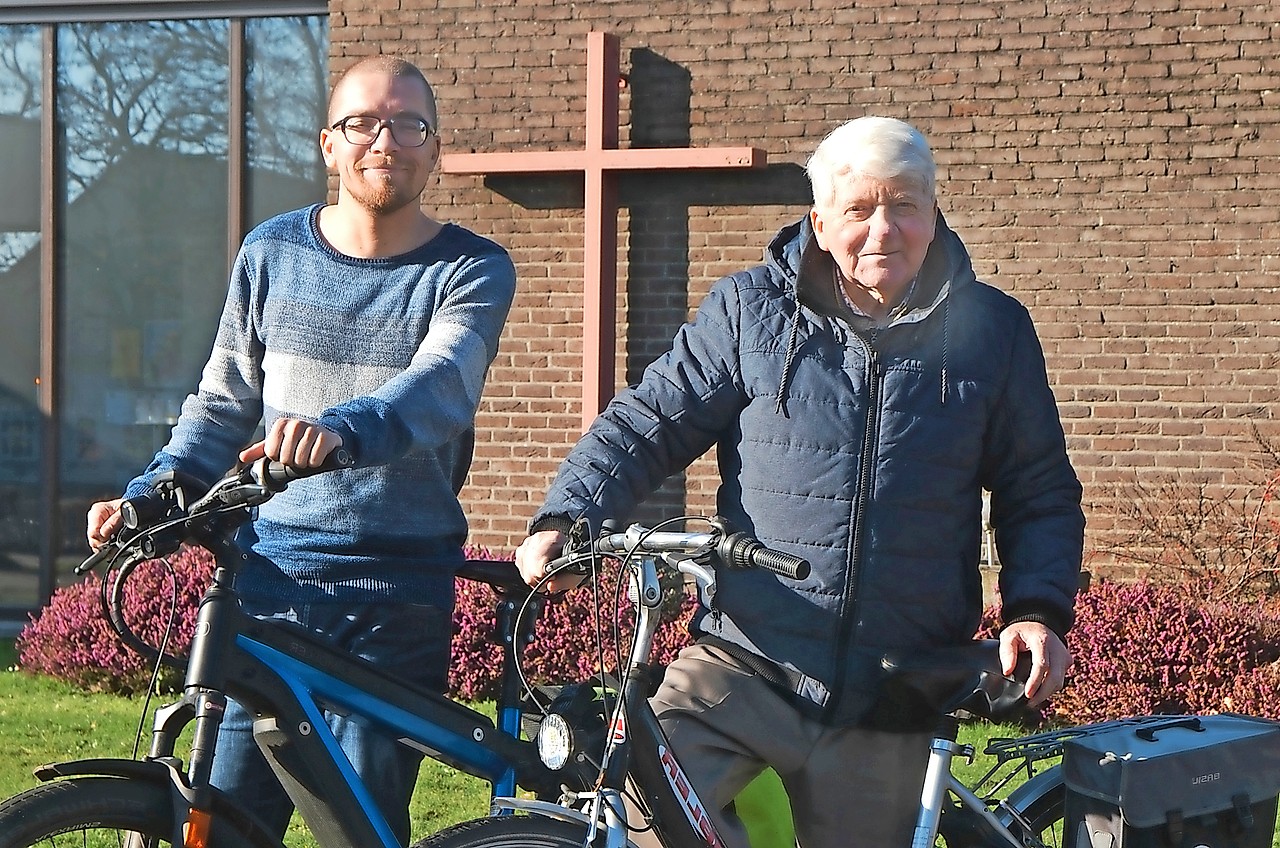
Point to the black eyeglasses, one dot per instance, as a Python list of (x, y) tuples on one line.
[(364, 129)]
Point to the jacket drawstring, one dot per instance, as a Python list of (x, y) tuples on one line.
[(946, 342), (793, 342)]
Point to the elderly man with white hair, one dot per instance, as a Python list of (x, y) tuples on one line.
[(863, 388)]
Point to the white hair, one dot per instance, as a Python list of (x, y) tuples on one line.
[(871, 146)]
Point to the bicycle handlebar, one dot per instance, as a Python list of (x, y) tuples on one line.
[(170, 502), (276, 475), (730, 548)]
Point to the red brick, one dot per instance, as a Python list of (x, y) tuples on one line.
[(1117, 169)]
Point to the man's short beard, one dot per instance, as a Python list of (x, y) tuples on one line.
[(383, 196), (384, 200)]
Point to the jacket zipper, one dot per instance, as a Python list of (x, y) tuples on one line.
[(849, 603)]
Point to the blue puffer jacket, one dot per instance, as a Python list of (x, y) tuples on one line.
[(863, 450)]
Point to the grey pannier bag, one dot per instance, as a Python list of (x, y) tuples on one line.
[(1173, 782)]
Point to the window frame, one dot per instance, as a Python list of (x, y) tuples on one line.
[(93, 11)]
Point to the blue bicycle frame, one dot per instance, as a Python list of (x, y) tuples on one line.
[(288, 678)]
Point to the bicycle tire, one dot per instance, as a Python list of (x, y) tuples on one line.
[(1045, 812), (106, 811), (517, 831)]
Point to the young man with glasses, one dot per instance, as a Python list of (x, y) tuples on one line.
[(366, 325)]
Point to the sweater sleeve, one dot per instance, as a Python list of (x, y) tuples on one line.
[(433, 400), (683, 403)]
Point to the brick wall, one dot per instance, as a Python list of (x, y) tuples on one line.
[(1116, 169)]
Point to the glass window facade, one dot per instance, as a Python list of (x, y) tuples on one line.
[(151, 171), (287, 89), (144, 236), (20, 334)]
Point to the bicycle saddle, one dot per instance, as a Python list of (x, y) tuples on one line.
[(966, 677), (501, 574)]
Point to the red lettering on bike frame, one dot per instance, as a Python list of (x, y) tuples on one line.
[(693, 808)]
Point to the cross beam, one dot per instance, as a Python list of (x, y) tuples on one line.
[(599, 163)]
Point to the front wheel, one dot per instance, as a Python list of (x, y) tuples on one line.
[(509, 832), (108, 811)]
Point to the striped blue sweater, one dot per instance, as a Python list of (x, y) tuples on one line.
[(391, 354)]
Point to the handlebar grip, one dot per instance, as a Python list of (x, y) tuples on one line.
[(498, 573), (741, 551), (276, 475), (797, 568)]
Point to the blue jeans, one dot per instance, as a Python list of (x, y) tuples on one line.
[(409, 641)]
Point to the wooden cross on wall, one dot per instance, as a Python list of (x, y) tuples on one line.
[(600, 163)]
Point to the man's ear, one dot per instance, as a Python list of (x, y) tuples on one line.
[(819, 228), (326, 146), (435, 157)]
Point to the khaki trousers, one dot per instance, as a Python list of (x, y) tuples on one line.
[(848, 787)]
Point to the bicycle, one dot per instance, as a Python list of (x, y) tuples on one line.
[(288, 677), (607, 745)]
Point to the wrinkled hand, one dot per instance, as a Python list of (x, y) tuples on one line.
[(295, 443), (103, 520), (1050, 659), (533, 555)]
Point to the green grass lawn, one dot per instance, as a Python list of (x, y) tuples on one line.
[(43, 720)]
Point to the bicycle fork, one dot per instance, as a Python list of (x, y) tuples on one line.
[(642, 750)]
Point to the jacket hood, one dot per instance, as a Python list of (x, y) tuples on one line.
[(794, 253)]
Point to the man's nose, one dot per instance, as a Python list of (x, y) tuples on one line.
[(881, 222), (384, 140)]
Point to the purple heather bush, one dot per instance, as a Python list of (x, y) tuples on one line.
[(1143, 648), (564, 646), (1139, 648), (1147, 648), (71, 638)]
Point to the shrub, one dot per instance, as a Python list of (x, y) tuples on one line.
[(1223, 539), (71, 638), (1139, 648), (1145, 648), (564, 642)]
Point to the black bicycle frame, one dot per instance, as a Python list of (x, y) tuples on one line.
[(681, 820)]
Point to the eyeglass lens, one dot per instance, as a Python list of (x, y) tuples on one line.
[(408, 132)]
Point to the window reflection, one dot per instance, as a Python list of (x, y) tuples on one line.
[(287, 89), (143, 258), (139, 258), (20, 436)]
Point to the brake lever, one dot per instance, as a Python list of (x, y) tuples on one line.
[(236, 489), (109, 550), (127, 542)]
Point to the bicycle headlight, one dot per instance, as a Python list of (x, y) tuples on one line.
[(555, 741)]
